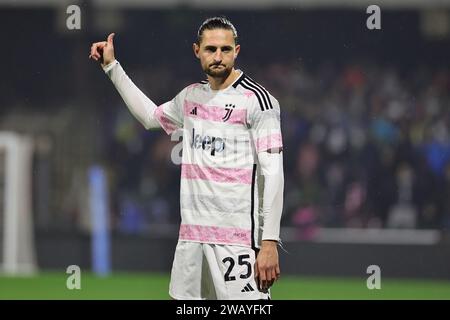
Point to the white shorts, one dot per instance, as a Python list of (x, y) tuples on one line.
[(211, 271)]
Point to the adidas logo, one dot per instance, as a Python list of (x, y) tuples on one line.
[(248, 288), (194, 111)]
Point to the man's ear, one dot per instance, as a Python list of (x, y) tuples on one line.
[(237, 49), (196, 49)]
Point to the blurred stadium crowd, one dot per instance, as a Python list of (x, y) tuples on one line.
[(365, 146), (365, 116)]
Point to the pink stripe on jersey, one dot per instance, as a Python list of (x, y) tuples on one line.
[(226, 175), (214, 113), (249, 93), (227, 235), (268, 142), (194, 85), (164, 121)]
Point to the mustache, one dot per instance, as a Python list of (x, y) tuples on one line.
[(216, 64)]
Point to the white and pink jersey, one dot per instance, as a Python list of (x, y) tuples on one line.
[(221, 184)]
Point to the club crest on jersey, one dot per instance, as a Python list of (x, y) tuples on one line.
[(229, 108)]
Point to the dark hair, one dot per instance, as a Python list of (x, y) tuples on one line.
[(216, 23)]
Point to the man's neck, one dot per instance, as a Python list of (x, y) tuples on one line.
[(220, 83)]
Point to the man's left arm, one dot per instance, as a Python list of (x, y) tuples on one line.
[(267, 269), (265, 123)]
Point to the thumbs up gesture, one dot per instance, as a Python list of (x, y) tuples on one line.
[(103, 51)]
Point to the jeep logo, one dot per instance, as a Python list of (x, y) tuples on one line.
[(214, 144)]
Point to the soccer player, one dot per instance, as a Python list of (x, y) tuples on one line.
[(232, 180)]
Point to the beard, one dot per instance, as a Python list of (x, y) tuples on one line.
[(218, 72)]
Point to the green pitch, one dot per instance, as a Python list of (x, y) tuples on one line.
[(155, 286)]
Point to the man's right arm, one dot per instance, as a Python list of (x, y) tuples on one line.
[(137, 102)]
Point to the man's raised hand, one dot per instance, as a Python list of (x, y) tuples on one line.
[(103, 51)]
